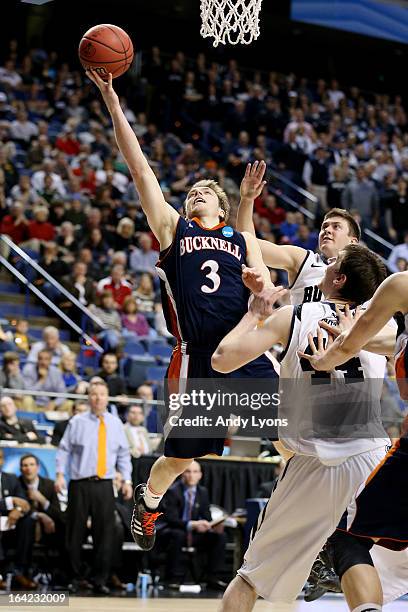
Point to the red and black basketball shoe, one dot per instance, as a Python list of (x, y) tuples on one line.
[(143, 524)]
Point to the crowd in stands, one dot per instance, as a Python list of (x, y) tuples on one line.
[(67, 199)]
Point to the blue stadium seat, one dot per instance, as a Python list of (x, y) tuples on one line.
[(161, 352), (156, 373), (135, 369), (9, 287), (88, 359), (151, 344), (39, 417), (37, 333), (133, 347), (20, 310)]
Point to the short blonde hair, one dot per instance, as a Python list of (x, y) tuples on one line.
[(219, 192)]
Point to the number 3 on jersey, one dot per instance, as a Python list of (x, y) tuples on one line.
[(212, 276)]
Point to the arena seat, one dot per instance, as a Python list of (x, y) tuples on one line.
[(151, 344), (135, 369), (161, 352), (156, 373), (37, 333), (22, 310), (9, 287), (133, 347)]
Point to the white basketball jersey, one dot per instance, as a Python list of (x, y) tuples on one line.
[(305, 286), (305, 409)]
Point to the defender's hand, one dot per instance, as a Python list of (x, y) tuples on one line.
[(346, 320), (317, 351), (253, 183), (262, 305)]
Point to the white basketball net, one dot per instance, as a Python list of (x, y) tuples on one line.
[(230, 21)]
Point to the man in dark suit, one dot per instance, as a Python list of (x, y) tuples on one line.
[(13, 428), (45, 522), (60, 426), (14, 505), (188, 523), (123, 516)]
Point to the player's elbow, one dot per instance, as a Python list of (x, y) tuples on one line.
[(219, 361)]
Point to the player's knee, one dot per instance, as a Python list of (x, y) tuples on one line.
[(348, 550)]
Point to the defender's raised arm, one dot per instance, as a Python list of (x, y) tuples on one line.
[(284, 257)]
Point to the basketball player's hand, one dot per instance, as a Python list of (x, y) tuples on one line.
[(318, 349), (346, 320), (262, 305), (109, 95), (253, 183), (253, 279)]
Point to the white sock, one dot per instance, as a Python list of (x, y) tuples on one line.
[(367, 607), (151, 498)]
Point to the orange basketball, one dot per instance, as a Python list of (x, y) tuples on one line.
[(107, 48)]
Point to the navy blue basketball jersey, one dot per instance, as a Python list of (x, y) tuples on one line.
[(202, 290)]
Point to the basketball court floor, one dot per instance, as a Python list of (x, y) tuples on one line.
[(114, 604)]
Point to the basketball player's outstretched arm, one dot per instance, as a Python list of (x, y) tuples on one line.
[(390, 297), (246, 342), (162, 217), (255, 260), (284, 257)]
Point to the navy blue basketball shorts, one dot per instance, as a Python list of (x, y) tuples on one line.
[(381, 511), (191, 365)]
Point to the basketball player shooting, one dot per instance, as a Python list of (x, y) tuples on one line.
[(294, 526), (203, 294)]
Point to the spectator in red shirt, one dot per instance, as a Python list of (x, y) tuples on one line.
[(67, 141), (39, 230), (86, 175), (117, 284), (15, 224), (268, 207)]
